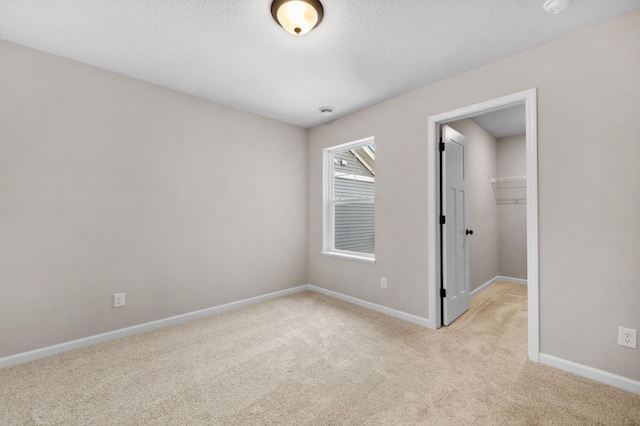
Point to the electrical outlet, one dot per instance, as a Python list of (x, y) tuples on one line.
[(383, 282), (118, 300), (628, 337)]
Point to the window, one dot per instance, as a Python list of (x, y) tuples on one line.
[(349, 201)]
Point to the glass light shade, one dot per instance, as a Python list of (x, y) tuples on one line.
[(297, 16)]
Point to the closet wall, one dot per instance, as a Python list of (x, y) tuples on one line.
[(512, 213)]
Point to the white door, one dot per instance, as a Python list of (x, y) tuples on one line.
[(455, 236)]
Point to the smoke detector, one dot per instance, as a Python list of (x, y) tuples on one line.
[(553, 7)]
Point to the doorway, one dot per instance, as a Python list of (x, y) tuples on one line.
[(528, 99)]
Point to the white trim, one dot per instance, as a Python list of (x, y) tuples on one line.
[(433, 254), (328, 203), (352, 144), (496, 279), (550, 360), (483, 286), (350, 176), (347, 256), (528, 97), (511, 280), (23, 357), (591, 373), (374, 307), (141, 328), (533, 285)]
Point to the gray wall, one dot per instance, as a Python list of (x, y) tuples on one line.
[(512, 217), (108, 184), (483, 210), (588, 91)]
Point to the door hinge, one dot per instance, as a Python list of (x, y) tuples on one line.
[(443, 292), (443, 220), (441, 146)]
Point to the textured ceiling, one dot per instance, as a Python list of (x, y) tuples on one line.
[(232, 52), (504, 122)]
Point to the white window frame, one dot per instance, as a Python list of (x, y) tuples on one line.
[(328, 204)]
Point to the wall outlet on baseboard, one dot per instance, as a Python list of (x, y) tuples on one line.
[(628, 337), (118, 300), (383, 282)]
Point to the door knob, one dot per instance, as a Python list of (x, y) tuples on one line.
[(469, 232)]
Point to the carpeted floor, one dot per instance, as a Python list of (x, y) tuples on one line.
[(310, 359)]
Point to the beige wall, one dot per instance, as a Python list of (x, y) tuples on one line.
[(588, 91), (512, 216), (108, 184), (483, 210)]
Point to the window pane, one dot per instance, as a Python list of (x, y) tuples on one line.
[(349, 207), (354, 227), (354, 173)]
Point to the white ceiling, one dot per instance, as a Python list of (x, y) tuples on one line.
[(232, 52), (504, 122)]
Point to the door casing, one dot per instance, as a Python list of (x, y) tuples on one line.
[(529, 99)]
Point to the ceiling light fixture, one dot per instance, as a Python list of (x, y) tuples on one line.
[(297, 16), (326, 110), (553, 7)]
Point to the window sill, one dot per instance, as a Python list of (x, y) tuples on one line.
[(363, 259)]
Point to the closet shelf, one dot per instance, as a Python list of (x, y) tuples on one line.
[(512, 189)]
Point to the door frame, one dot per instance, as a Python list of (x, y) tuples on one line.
[(529, 99)]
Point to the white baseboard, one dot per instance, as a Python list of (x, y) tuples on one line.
[(483, 286), (511, 280), (496, 279), (591, 373), (374, 307), (550, 360), (141, 328)]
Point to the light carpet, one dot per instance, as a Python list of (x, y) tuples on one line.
[(310, 359)]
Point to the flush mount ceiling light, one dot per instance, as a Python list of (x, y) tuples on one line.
[(297, 16), (555, 6)]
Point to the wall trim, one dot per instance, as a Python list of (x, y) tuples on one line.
[(140, 328), (483, 286), (591, 373), (23, 357), (511, 280), (550, 360), (496, 279), (374, 307)]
